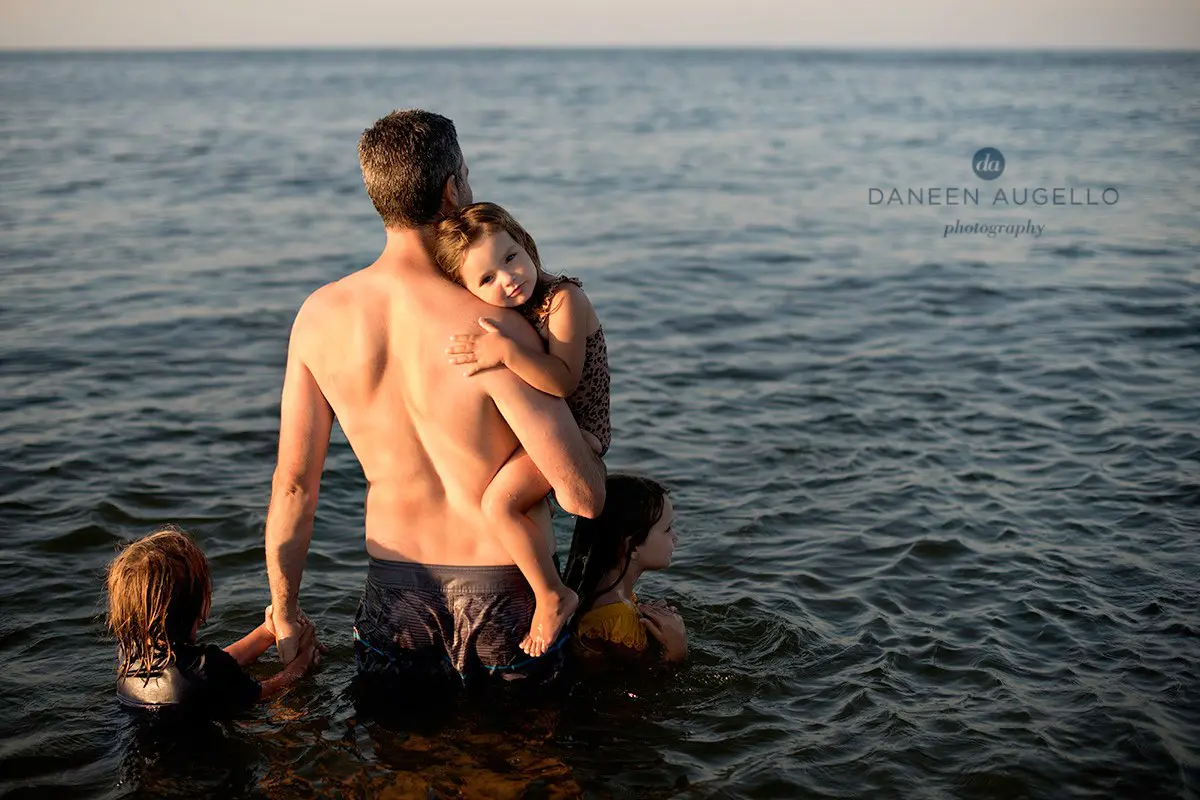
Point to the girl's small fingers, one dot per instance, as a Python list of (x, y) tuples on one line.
[(464, 337)]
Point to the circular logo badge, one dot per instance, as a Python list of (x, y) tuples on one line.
[(988, 163)]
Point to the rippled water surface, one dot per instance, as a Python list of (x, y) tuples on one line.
[(939, 495)]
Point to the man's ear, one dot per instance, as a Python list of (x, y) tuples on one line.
[(450, 194)]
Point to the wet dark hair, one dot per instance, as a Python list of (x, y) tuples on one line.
[(633, 505), (406, 158)]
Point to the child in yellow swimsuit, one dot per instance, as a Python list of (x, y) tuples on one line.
[(635, 533)]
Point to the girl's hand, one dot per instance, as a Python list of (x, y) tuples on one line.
[(659, 603), (481, 350), (665, 625)]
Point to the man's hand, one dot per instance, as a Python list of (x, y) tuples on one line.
[(290, 633), (308, 652), (481, 350), (665, 625)]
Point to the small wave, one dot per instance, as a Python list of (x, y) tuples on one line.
[(81, 540)]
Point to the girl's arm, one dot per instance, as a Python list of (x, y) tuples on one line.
[(247, 649), (557, 372), (295, 669)]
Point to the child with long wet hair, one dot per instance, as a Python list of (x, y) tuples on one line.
[(484, 249), (634, 534), (159, 594)]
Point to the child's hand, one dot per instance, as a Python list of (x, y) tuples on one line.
[(481, 350), (665, 625), (268, 621), (658, 602)]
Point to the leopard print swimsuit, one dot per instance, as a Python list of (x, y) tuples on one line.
[(589, 403)]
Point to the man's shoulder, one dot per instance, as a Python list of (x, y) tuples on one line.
[(329, 303)]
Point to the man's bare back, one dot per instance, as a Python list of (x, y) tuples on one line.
[(428, 438), (370, 349)]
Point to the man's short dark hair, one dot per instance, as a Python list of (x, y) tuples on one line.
[(406, 158)]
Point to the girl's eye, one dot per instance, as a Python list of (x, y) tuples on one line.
[(508, 258), (485, 280)]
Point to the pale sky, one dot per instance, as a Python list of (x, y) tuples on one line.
[(952, 24)]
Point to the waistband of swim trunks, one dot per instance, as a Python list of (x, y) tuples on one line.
[(446, 578)]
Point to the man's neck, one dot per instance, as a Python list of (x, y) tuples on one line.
[(408, 249)]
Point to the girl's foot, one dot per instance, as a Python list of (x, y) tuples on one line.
[(549, 616)]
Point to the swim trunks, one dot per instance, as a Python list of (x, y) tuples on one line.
[(453, 625)]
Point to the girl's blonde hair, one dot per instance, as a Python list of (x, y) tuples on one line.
[(158, 587), (461, 229)]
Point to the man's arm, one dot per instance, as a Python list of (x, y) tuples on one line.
[(551, 437), (305, 422)]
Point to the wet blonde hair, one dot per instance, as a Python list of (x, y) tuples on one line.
[(461, 229), (158, 587)]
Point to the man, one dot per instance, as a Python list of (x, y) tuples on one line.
[(442, 597)]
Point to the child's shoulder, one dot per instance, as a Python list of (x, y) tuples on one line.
[(616, 623), (560, 288), (558, 294), (555, 283)]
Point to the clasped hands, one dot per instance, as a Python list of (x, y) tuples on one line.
[(292, 637)]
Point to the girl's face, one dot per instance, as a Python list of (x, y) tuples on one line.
[(498, 271), (656, 551)]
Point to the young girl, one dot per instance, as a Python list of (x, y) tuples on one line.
[(482, 247), (159, 593), (635, 533)]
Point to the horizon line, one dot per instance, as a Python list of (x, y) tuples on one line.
[(599, 47)]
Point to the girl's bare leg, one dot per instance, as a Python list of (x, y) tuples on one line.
[(517, 487)]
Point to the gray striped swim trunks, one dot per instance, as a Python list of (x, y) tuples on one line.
[(431, 622)]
